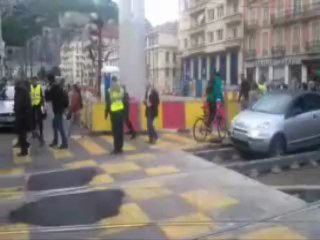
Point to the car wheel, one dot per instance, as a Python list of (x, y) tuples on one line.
[(277, 146)]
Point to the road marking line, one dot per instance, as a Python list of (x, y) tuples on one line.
[(126, 146), (162, 170), (13, 172), (20, 160), (119, 168), (206, 201), (139, 157), (180, 139), (62, 154), (273, 233), (81, 164), (101, 179), (90, 146), (15, 231)]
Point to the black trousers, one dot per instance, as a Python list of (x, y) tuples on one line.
[(117, 130), (212, 113), (22, 140), (37, 121)]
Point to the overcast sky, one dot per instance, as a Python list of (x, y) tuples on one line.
[(161, 11)]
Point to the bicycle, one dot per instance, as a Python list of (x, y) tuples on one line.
[(220, 123)]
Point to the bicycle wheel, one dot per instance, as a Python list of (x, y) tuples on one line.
[(222, 129), (200, 131)]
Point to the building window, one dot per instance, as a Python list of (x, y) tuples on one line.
[(167, 72), (211, 14), (167, 57), (279, 37), (185, 43), (296, 38), (211, 36), (252, 42), (266, 14), (235, 7), (220, 11), (174, 57), (234, 32), (220, 34), (174, 72), (265, 43), (297, 7), (316, 31), (280, 8)]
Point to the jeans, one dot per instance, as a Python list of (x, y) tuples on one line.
[(57, 125), (150, 128)]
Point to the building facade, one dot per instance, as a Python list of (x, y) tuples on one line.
[(163, 63), (282, 40), (210, 40)]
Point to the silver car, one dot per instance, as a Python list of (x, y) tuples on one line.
[(7, 117), (279, 122)]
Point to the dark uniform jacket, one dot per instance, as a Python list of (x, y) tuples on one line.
[(155, 101), (22, 107)]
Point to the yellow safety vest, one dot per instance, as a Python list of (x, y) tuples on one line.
[(263, 88), (35, 95), (116, 98)]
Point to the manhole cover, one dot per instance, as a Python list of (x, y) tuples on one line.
[(66, 210), (61, 179)]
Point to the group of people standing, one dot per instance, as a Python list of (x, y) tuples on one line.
[(118, 107), (30, 110)]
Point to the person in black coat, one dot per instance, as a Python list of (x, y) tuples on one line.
[(126, 117), (23, 115), (152, 102)]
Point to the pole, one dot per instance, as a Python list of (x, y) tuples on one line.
[(99, 75)]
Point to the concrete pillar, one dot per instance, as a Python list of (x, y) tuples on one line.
[(304, 74), (286, 74), (191, 69), (257, 74), (228, 69), (200, 68), (241, 69), (218, 63), (270, 73), (132, 46), (208, 68)]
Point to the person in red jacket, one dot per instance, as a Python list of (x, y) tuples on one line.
[(75, 107)]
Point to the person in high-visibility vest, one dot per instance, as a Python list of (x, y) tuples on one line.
[(115, 107), (37, 103), (262, 86)]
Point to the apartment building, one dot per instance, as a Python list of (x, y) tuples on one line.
[(163, 64), (282, 40), (210, 39), (77, 65)]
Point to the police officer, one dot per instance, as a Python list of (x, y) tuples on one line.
[(115, 106), (37, 103)]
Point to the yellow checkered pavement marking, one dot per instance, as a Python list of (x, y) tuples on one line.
[(162, 170), (101, 179), (179, 138), (20, 160), (140, 157), (12, 172), (108, 139), (273, 233), (62, 154), (147, 190), (131, 215), (205, 200), (14, 232), (126, 146), (120, 168), (91, 147), (81, 164), (187, 226), (11, 193)]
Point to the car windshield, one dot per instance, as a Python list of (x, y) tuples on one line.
[(7, 93), (272, 103)]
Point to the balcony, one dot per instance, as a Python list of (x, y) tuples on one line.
[(233, 18), (197, 28), (233, 43), (278, 51), (197, 48), (251, 25), (307, 12), (197, 6), (313, 47), (251, 54)]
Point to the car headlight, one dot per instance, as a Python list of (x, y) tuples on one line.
[(260, 130), (263, 126)]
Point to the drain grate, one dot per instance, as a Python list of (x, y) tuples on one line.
[(69, 210), (61, 179)]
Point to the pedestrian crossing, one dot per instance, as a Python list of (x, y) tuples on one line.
[(86, 151)]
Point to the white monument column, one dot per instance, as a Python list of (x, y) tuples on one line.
[(228, 69), (132, 46), (286, 74), (304, 74), (270, 73)]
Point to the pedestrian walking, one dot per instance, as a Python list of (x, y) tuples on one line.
[(38, 112), (126, 102), (76, 105), (115, 107), (262, 85), (59, 101), (23, 115), (244, 92), (152, 102)]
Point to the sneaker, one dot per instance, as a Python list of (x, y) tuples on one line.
[(53, 145), (22, 154), (63, 147)]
